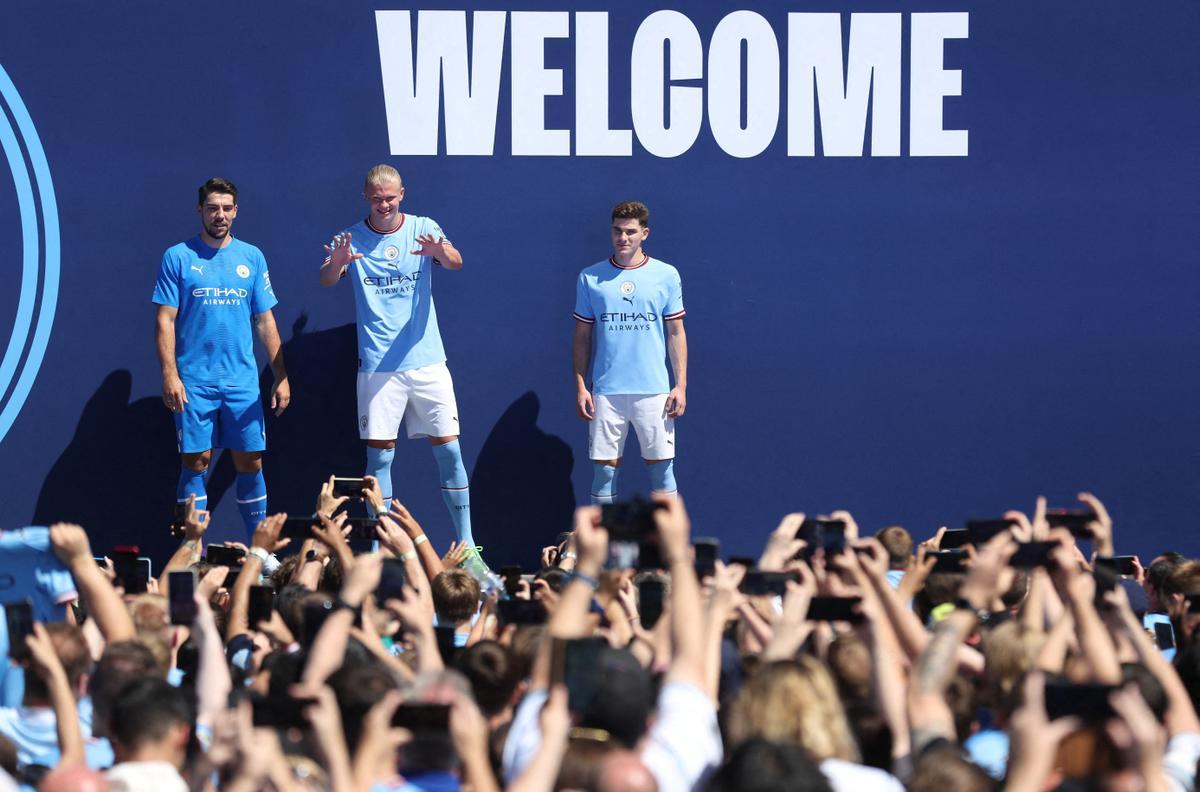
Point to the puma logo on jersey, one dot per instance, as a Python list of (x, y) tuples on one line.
[(628, 300), (198, 268)]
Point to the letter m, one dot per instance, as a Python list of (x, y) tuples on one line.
[(872, 70), (412, 94)]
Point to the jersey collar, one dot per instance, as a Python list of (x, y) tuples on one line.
[(645, 257), (403, 217)]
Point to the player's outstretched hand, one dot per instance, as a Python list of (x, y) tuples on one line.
[(428, 245), (174, 396), (281, 396), (584, 405), (340, 254), (676, 402)]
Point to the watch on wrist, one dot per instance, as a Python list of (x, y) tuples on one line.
[(962, 603)]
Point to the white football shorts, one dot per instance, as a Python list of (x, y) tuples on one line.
[(648, 415), (422, 398)]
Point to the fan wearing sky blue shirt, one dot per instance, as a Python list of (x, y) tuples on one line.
[(402, 376), (212, 291), (630, 309)]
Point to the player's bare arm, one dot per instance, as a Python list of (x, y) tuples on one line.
[(339, 258), (439, 248), (581, 358), (268, 334), (677, 351), (174, 396)]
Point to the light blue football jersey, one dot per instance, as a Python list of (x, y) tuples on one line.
[(217, 292), (397, 323), (629, 307)]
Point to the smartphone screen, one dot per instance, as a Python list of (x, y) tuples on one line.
[(951, 561), (422, 717), (650, 601), (1032, 554), (315, 614), (362, 528), (1121, 565), (261, 603), (1087, 701), (1074, 520), (18, 617), (348, 485), (979, 531), (650, 555), (392, 579), (953, 538), (512, 579), (706, 552), (299, 528), (1164, 635), (220, 555), (833, 537), (130, 572), (835, 609), (758, 583), (182, 603)]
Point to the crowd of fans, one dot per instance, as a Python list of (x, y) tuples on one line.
[(394, 669)]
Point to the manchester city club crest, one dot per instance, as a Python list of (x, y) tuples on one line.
[(627, 288), (391, 252), (243, 271)]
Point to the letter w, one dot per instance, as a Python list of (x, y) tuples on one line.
[(471, 95)]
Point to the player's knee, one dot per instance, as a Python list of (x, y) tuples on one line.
[(381, 443), (198, 461), (608, 462), (247, 461), (439, 441)]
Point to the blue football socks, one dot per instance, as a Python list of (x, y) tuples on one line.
[(379, 465), (191, 482), (252, 499), (604, 483), (662, 476), (455, 490)]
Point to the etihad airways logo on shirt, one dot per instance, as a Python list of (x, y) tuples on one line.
[(629, 320), (392, 284), (216, 295)]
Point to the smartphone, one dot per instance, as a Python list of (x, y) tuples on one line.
[(261, 603), (422, 717), (18, 616), (954, 538), (130, 571), (179, 517), (1164, 635), (758, 583), (706, 552), (512, 579), (744, 561), (1087, 701), (345, 485), (833, 537), (629, 521), (392, 579), (299, 528), (835, 609), (979, 531), (1121, 565), (1032, 554), (581, 669), (315, 614), (650, 601), (1074, 520), (182, 589), (220, 555), (521, 611), (951, 561), (1193, 601), (362, 528)]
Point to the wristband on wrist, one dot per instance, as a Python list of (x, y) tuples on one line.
[(409, 556), (341, 604), (258, 553), (567, 555), (420, 538), (591, 581)]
